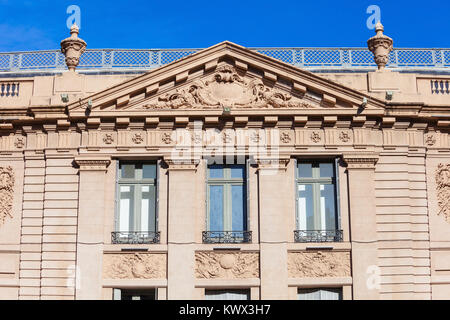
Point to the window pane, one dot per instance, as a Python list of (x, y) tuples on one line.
[(216, 208), (215, 171), (126, 210), (305, 207), (327, 207), (237, 172), (320, 294), (305, 170), (308, 294), (227, 295), (149, 171), (147, 209), (238, 209), (326, 170), (127, 171)]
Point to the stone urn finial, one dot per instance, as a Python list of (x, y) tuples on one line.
[(381, 46), (73, 47)]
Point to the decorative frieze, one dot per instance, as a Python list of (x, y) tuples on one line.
[(442, 177), (134, 266), (7, 181), (318, 264), (226, 265)]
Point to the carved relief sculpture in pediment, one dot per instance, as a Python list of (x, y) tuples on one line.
[(443, 190), (226, 88), (6, 193)]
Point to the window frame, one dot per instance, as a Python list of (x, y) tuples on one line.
[(334, 181), (227, 181), (135, 217)]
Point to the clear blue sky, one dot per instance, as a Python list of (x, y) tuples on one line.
[(41, 25)]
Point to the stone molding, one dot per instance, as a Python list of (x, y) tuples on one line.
[(175, 164), (318, 264), (360, 161), (92, 164), (7, 181), (226, 265), (442, 177), (134, 266), (272, 163)]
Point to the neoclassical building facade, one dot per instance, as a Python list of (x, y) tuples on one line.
[(226, 174)]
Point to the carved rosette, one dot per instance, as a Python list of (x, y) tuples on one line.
[(227, 265), (73, 47), (134, 266), (442, 177), (381, 46), (318, 264), (6, 193), (226, 88)]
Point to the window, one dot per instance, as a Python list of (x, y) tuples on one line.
[(226, 204), (136, 203), (320, 294), (317, 217), (146, 294), (227, 294)]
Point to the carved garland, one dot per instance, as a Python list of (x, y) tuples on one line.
[(318, 264), (6, 193), (134, 266), (443, 190), (212, 265), (227, 89)]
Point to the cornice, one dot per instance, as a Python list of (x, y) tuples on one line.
[(360, 161), (92, 163)]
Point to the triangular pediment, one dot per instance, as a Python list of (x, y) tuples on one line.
[(226, 76)]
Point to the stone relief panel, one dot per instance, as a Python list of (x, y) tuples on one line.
[(235, 265), (226, 88), (319, 264), (443, 190), (134, 266), (6, 193)]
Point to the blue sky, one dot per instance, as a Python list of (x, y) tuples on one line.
[(41, 25)]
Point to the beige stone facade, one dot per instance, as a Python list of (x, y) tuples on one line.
[(59, 162)]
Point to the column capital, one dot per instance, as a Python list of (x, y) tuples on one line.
[(182, 164), (93, 163), (360, 161)]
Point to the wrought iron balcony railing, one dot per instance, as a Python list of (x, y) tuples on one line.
[(227, 236), (318, 236), (146, 59), (135, 237)]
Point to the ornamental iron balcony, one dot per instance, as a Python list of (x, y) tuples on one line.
[(304, 236), (135, 237), (227, 236)]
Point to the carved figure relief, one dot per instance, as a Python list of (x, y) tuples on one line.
[(226, 88), (134, 266), (6, 193), (236, 265), (318, 264), (443, 190)]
